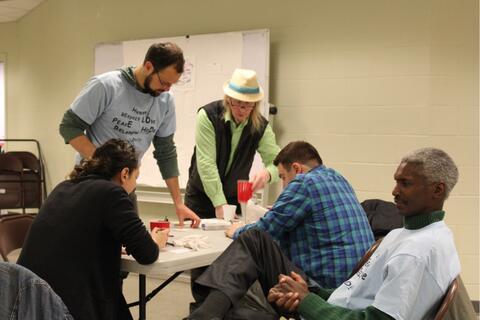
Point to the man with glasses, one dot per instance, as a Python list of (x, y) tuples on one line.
[(133, 104)]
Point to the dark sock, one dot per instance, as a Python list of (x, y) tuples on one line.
[(216, 305)]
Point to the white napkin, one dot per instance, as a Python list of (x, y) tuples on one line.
[(254, 212), (193, 241)]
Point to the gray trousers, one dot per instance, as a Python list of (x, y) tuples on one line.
[(253, 257)]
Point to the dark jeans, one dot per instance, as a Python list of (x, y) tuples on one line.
[(253, 256)]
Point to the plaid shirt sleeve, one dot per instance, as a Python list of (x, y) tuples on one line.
[(288, 211)]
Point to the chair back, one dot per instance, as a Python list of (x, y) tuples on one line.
[(13, 231), (20, 180), (461, 308), (10, 163), (383, 216), (447, 300), (11, 192), (29, 160), (366, 256)]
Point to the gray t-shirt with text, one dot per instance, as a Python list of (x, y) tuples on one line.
[(115, 109)]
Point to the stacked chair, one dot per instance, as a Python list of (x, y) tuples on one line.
[(22, 180), (22, 188)]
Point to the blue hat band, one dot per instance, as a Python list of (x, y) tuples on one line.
[(239, 89)]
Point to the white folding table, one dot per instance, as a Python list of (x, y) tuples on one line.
[(174, 260)]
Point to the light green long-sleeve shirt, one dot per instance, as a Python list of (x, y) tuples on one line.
[(206, 154)]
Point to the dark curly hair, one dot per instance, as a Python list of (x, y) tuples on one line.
[(108, 160)]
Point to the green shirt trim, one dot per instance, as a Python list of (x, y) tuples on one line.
[(166, 155), (72, 126), (314, 307), (422, 220)]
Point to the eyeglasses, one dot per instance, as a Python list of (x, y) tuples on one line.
[(241, 104), (163, 83)]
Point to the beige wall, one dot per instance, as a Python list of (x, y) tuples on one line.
[(364, 81)]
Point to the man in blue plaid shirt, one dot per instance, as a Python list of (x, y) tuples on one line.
[(317, 220)]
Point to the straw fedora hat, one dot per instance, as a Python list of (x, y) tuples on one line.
[(243, 86)]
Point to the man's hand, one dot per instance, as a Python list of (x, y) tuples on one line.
[(160, 236), (289, 291), (286, 301), (183, 212), (275, 294), (260, 179), (295, 284), (231, 230)]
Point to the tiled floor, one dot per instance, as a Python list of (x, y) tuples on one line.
[(171, 303)]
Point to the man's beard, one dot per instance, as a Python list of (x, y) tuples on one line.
[(148, 89)]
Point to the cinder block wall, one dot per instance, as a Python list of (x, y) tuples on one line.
[(364, 81)]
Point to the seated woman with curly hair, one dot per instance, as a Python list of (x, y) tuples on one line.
[(75, 241)]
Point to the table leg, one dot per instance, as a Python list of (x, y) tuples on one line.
[(142, 307), (144, 298)]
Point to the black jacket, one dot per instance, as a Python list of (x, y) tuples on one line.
[(74, 244)]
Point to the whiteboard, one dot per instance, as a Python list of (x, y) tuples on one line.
[(209, 62)]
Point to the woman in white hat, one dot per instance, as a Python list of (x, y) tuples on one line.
[(228, 133)]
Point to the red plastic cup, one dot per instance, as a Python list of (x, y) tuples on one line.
[(162, 224), (244, 191)]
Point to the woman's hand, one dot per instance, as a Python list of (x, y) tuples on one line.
[(260, 179), (219, 212), (160, 236)]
